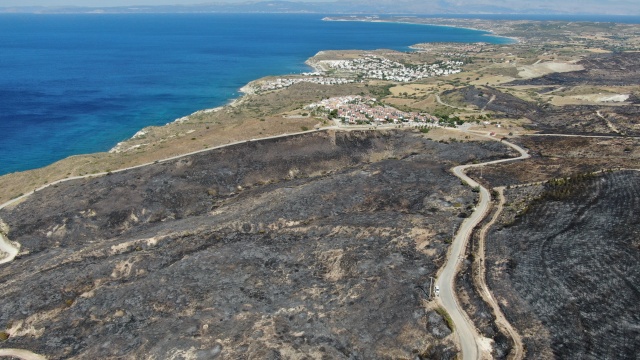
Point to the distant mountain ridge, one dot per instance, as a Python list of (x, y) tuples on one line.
[(337, 7)]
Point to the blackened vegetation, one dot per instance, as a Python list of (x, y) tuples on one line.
[(505, 104), (583, 120), (619, 69), (566, 271), (545, 118), (625, 118), (560, 156), (567, 187), (481, 314), (305, 246), (615, 69)]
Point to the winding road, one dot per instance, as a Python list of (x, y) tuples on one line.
[(467, 333), (439, 101), (468, 336)]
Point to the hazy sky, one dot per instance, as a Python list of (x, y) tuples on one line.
[(92, 3), (543, 6)]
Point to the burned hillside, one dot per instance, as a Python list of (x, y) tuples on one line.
[(563, 266), (311, 244), (615, 69)]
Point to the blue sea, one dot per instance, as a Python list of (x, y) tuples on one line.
[(75, 84)]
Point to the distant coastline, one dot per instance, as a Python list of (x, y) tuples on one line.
[(248, 90), (392, 21), (406, 20)]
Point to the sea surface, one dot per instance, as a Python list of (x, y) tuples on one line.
[(75, 84)]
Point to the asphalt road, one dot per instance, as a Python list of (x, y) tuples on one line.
[(467, 334)]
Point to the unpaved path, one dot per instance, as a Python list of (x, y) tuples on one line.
[(493, 97), (470, 340), (20, 354), (451, 106), (480, 280), (7, 250), (609, 124), (20, 198), (587, 136), (468, 336)]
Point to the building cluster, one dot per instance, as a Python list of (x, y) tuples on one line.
[(281, 83), (459, 50), (356, 109), (376, 67), (367, 67)]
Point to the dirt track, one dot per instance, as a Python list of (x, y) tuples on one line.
[(565, 269), (469, 338)]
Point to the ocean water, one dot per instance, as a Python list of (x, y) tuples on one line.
[(74, 84)]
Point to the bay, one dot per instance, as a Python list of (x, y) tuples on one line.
[(75, 84)]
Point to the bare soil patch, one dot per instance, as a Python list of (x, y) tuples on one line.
[(544, 68)]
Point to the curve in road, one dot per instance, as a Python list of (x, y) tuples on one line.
[(467, 333)]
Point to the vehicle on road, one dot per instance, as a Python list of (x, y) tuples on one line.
[(437, 290)]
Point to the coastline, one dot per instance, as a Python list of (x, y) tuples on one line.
[(489, 32), (248, 89), (237, 99), (142, 132), (160, 141)]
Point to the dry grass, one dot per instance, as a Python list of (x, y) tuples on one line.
[(544, 68), (255, 116)]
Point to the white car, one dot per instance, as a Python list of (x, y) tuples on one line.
[(437, 290)]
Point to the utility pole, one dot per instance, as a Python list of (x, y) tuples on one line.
[(430, 285)]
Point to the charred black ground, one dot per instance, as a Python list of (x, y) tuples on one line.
[(564, 269), (309, 245)]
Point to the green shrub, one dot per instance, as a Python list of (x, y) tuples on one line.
[(445, 315)]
